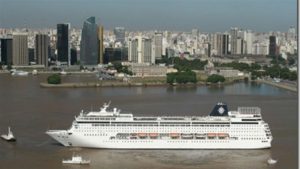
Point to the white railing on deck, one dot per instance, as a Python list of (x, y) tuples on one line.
[(249, 110)]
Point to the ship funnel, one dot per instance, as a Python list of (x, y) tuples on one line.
[(220, 109)]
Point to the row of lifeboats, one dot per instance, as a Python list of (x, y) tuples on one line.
[(182, 135), (144, 135)]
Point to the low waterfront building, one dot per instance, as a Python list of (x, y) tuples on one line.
[(225, 71), (141, 70), (246, 60)]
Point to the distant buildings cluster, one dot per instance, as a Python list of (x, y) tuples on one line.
[(91, 45)]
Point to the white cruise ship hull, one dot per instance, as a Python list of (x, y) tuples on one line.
[(222, 129), (104, 142)]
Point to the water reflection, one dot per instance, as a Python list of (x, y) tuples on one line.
[(174, 158), (181, 89)]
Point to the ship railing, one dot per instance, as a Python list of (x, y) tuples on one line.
[(249, 110)]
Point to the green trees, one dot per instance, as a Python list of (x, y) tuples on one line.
[(181, 77), (283, 73), (293, 76), (215, 78), (256, 70), (242, 66), (54, 79), (122, 69), (184, 64)]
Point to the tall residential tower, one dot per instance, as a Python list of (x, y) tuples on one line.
[(42, 49), (20, 49)]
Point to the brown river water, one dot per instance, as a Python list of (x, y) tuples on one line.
[(31, 110)]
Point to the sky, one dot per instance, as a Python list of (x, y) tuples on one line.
[(173, 15)]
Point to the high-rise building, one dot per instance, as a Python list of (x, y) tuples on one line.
[(140, 50), (213, 41), (73, 56), (222, 44), (157, 45), (260, 48), (120, 34), (31, 56), (219, 39), (133, 50), (146, 51), (20, 49), (195, 33), (6, 50), (239, 46), (233, 41), (249, 43), (225, 43), (62, 44), (115, 54), (272, 46), (42, 49), (208, 49), (101, 47), (89, 48), (291, 35)]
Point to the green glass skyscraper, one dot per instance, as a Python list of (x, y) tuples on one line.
[(89, 47)]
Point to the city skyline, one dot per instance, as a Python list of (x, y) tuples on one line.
[(207, 16)]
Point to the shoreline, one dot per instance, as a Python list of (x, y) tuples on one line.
[(279, 85), (127, 84), (95, 84)]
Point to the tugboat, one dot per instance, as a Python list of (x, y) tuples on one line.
[(76, 159), (9, 136)]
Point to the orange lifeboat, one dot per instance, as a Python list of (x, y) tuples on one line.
[(211, 134), (223, 135), (142, 135), (153, 135), (174, 135)]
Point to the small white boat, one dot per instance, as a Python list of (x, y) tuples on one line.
[(63, 72), (9, 136), (277, 80), (34, 72), (76, 159), (19, 73), (272, 161)]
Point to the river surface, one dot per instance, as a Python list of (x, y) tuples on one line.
[(31, 110)]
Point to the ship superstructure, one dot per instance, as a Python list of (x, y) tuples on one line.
[(222, 129)]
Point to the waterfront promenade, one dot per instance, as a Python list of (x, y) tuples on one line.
[(292, 86)]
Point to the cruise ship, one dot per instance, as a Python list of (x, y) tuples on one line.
[(221, 129)]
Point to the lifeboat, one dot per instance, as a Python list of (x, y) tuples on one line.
[(174, 135), (211, 135), (200, 135), (223, 135), (153, 135), (142, 135), (187, 135), (133, 134)]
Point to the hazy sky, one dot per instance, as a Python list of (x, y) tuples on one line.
[(181, 15)]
